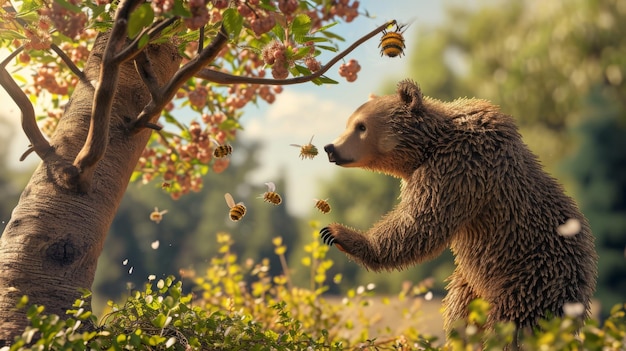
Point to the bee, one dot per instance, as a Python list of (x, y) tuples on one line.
[(222, 150), (307, 151), (322, 205), (236, 211), (166, 185), (271, 195), (157, 216), (392, 43)]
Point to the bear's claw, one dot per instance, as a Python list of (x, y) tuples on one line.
[(327, 236)]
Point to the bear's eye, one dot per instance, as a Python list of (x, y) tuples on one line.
[(360, 127)]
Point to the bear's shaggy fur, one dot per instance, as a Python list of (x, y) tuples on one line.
[(469, 183)]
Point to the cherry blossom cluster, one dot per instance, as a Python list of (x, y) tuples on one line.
[(341, 9), (349, 70), (69, 23)]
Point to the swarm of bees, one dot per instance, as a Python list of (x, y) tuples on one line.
[(222, 150), (322, 205), (271, 195), (237, 211), (392, 43), (307, 151)]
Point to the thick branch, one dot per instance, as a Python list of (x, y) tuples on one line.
[(206, 56), (29, 123), (225, 78), (95, 146)]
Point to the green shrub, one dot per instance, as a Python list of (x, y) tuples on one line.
[(239, 306)]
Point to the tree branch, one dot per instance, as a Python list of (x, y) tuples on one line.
[(80, 74), (166, 94), (225, 78), (29, 123), (97, 139), (153, 31)]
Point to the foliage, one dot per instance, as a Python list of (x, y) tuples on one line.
[(284, 38), (597, 166), (225, 313)]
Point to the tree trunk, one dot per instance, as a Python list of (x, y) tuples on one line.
[(50, 247)]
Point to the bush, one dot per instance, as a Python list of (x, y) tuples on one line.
[(239, 306)]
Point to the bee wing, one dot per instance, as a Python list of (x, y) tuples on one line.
[(296, 145), (311, 141), (215, 142), (270, 186), (229, 200)]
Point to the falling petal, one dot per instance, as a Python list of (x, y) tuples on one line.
[(573, 309), (571, 227), (125, 262), (130, 271), (155, 245), (428, 296)]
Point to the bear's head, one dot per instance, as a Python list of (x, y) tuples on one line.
[(386, 134)]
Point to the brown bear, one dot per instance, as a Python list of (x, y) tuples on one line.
[(469, 183)]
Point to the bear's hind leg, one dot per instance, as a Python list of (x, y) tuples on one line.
[(456, 302)]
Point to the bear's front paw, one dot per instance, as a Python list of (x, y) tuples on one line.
[(327, 236)]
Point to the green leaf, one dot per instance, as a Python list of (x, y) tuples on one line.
[(233, 22), (143, 40), (302, 53), (300, 27), (159, 321), (179, 9), (325, 47), (68, 6), (332, 35), (315, 39), (140, 18), (7, 34), (324, 28), (279, 31), (302, 70), (229, 124), (324, 80)]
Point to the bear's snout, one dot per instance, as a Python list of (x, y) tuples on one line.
[(330, 150)]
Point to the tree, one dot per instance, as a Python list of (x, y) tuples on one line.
[(116, 69), (598, 167)]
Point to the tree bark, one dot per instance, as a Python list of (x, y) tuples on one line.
[(50, 246)]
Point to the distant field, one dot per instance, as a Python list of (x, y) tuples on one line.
[(387, 319)]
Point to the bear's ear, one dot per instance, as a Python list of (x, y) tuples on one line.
[(411, 95)]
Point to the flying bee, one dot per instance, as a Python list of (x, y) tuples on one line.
[(157, 216), (222, 150), (271, 195), (236, 211), (307, 151), (322, 205), (392, 43)]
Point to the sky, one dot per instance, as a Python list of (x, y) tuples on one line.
[(306, 110)]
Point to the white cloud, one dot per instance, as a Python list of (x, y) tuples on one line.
[(297, 116)]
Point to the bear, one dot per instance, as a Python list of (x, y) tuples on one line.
[(468, 182)]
